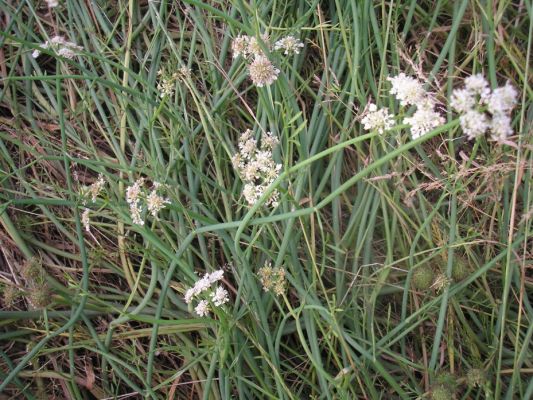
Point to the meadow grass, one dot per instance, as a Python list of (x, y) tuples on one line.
[(408, 262)]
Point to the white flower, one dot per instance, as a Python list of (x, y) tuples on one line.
[(216, 276), (136, 213), (406, 89), (474, 124), (254, 48), (502, 99), (202, 309), (380, 120), (52, 3), (500, 127), (262, 71), (239, 46), (473, 119), (462, 100), (133, 192), (86, 220), (256, 167), (166, 87), (423, 120), (63, 47), (155, 203), (189, 295), (219, 296), (290, 44), (477, 85), (202, 285), (97, 187), (269, 141)]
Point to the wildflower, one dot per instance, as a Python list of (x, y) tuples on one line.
[(59, 44), (502, 100), (256, 167), (290, 44), (379, 120), (462, 100), (97, 187), (477, 85), (219, 296), (202, 284), (85, 219), (202, 309), (272, 279), (52, 3), (189, 295), (406, 89), (166, 87), (136, 213), (474, 123), (470, 101), (441, 281), (156, 203), (216, 276), (166, 84), (500, 127), (423, 120), (134, 191), (239, 46), (254, 48), (262, 71), (184, 73)]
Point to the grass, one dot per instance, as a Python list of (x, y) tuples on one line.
[(100, 314)]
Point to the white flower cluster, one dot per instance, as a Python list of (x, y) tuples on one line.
[(167, 82), (85, 219), (61, 46), (256, 167), (261, 70), (94, 191), (410, 92), (377, 119), (139, 201), (289, 45), (248, 46), (475, 99), (217, 297)]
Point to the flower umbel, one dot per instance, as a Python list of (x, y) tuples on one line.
[(379, 120), (61, 46), (476, 101), (474, 123), (202, 309), (155, 202), (254, 48), (272, 279), (289, 45), (406, 89), (423, 120), (217, 297), (262, 71), (256, 167), (85, 220), (138, 200), (239, 46)]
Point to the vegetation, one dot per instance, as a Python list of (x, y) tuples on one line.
[(366, 265)]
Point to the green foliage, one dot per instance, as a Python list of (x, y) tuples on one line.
[(361, 216)]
